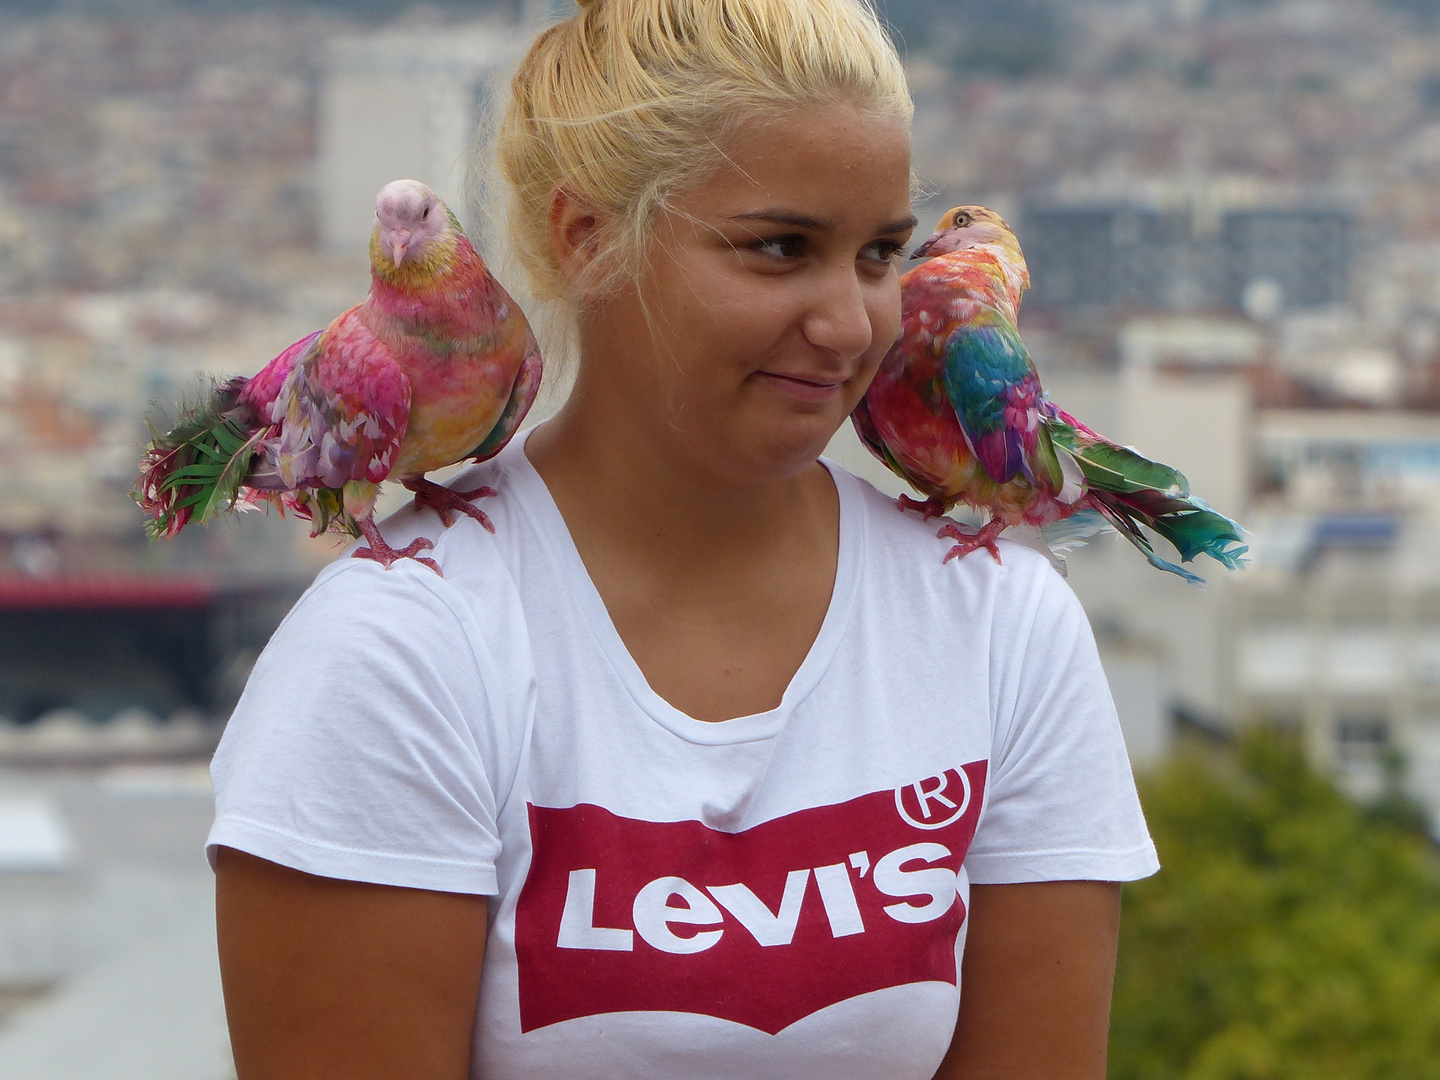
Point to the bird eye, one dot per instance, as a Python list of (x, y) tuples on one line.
[(961, 220), (426, 215)]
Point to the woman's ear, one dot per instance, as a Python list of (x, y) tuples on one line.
[(574, 232)]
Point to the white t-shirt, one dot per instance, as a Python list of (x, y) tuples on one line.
[(780, 895)]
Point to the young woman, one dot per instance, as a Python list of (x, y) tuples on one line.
[(703, 765)]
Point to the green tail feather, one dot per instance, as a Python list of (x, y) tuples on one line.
[(1132, 491), (195, 470), (1116, 468), (1049, 463)]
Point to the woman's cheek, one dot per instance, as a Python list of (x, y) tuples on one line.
[(885, 319)]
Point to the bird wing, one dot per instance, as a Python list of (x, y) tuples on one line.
[(995, 392), (522, 396), (870, 436), (341, 412), (262, 388)]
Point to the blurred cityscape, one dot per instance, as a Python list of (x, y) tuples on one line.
[(1232, 217), (1231, 210)]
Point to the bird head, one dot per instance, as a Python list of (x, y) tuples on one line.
[(409, 219), (969, 227)]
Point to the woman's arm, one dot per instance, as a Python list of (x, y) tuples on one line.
[(1035, 984), (327, 978)]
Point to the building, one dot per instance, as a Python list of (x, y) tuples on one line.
[(1263, 260), (1333, 631), (402, 104), (1338, 630), (1337, 634), (1106, 255), (1286, 258)]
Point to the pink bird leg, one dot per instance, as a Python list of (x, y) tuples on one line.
[(444, 501), (386, 555), (972, 541), (929, 508)]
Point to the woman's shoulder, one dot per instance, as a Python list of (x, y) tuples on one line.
[(905, 549), (470, 607), (403, 656), (398, 688)]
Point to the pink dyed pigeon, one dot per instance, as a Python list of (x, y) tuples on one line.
[(437, 365)]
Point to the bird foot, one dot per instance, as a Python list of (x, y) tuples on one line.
[(386, 555), (966, 542), (444, 501), (929, 508)]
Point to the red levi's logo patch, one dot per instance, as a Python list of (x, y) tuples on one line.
[(761, 927)]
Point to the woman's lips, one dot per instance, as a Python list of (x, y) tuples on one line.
[(811, 387)]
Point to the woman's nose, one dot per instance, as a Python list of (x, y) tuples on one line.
[(839, 319)]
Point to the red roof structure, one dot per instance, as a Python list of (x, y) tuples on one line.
[(115, 592)]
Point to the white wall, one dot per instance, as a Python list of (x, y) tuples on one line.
[(1138, 686), (1201, 426), (397, 105)]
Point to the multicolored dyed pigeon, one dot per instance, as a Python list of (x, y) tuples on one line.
[(957, 410), (437, 365)]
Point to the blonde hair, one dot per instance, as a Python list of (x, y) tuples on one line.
[(629, 102)]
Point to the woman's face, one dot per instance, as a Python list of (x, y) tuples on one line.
[(770, 297)]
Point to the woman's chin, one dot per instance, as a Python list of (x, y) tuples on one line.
[(784, 452)]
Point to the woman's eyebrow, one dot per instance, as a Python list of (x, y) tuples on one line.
[(780, 216)]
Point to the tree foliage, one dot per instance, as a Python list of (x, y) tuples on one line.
[(1290, 934)]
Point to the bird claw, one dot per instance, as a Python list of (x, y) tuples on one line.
[(929, 508), (445, 501), (386, 555), (966, 542)]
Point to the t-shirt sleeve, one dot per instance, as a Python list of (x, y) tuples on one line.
[(1062, 803), (370, 741)]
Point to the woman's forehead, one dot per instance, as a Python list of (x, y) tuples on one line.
[(835, 156)]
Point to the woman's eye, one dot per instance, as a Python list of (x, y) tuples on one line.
[(780, 247), (887, 251)]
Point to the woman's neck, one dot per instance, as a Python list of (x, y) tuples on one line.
[(622, 485), (718, 589)]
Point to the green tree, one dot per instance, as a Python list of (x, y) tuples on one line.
[(1290, 934)]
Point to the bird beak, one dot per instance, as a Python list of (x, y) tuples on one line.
[(924, 249), (399, 241)]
